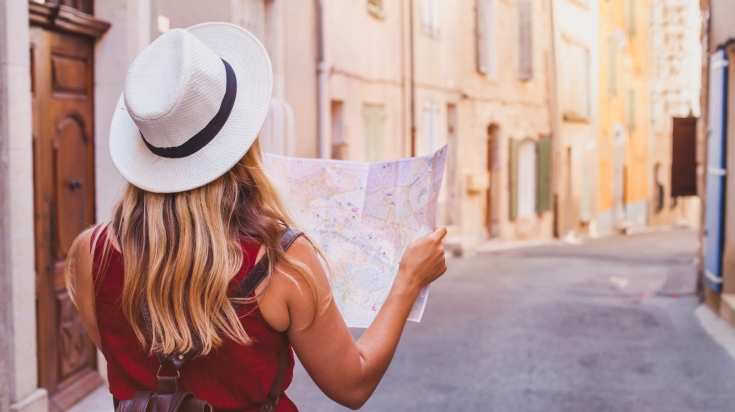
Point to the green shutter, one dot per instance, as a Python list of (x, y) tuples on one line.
[(543, 198), (513, 174)]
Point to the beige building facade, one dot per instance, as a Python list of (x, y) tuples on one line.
[(575, 106), (675, 84), (405, 78)]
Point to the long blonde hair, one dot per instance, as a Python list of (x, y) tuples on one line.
[(181, 250)]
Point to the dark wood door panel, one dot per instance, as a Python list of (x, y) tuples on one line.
[(64, 205)]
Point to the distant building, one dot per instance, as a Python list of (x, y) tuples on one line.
[(675, 77), (405, 78), (624, 146), (575, 106)]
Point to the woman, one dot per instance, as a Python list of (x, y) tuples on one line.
[(196, 217)]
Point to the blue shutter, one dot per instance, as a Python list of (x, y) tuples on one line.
[(713, 213)]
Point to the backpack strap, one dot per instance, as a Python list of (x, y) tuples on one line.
[(277, 386)]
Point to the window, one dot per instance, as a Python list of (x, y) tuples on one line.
[(525, 40), (278, 134), (430, 17), (339, 144), (487, 58), (575, 95), (374, 123), (431, 128), (630, 109), (612, 66), (252, 16), (630, 17), (527, 178), (375, 8)]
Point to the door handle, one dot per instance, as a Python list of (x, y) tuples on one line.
[(75, 184)]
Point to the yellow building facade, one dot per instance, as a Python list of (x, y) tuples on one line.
[(624, 136)]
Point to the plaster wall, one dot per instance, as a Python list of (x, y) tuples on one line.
[(674, 90), (576, 149), (299, 70), (722, 28), (519, 109), (632, 74), (366, 58), (18, 361)]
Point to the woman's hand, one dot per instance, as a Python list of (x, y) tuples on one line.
[(423, 262), (347, 371)]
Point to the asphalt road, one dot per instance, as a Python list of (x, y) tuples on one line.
[(604, 326)]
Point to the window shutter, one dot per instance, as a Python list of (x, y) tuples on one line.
[(630, 17), (513, 174), (426, 15), (481, 34), (525, 39), (543, 198), (612, 65), (373, 118), (631, 110), (684, 158)]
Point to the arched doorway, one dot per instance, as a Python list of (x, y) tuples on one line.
[(491, 219)]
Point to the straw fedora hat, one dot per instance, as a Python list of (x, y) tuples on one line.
[(193, 103)]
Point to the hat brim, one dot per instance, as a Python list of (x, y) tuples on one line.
[(252, 67)]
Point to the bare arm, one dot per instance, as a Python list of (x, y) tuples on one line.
[(348, 371)]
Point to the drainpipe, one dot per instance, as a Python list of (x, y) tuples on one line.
[(413, 82), (324, 149), (556, 145)]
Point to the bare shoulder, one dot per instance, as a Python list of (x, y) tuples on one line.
[(302, 249), (302, 275)]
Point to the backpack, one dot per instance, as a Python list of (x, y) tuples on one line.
[(169, 398)]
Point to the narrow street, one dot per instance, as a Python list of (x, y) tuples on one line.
[(609, 325)]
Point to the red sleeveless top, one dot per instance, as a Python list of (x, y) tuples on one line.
[(231, 378)]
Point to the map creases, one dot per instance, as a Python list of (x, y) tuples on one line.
[(363, 215)]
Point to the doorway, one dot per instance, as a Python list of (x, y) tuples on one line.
[(63, 164), (619, 175), (491, 219)]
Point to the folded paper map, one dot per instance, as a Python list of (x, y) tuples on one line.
[(363, 215)]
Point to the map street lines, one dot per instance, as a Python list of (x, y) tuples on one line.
[(363, 215)]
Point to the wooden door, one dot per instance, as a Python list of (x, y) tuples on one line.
[(63, 147)]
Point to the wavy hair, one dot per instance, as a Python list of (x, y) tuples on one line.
[(181, 250)]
